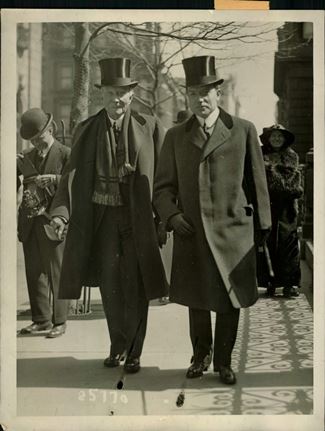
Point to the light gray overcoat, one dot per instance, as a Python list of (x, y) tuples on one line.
[(220, 186)]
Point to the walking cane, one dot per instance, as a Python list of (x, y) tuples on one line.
[(268, 260)]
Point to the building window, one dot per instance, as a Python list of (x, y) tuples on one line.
[(67, 38), (65, 77)]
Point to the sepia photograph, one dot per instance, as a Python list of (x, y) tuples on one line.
[(158, 228)]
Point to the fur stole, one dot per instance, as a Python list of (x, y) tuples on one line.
[(283, 174)]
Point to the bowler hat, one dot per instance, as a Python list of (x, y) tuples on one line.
[(267, 131), (34, 122), (200, 71), (183, 116), (116, 72)]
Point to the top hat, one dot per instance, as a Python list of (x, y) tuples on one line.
[(116, 72), (267, 131), (183, 116), (200, 71), (34, 122)]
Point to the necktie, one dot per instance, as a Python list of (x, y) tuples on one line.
[(116, 132), (205, 129)]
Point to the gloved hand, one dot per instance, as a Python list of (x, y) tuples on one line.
[(59, 226), (45, 180), (180, 225), (162, 234)]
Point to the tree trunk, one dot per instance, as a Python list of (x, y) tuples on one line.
[(79, 108)]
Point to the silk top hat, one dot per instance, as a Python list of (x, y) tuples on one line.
[(34, 122), (200, 71), (267, 131), (116, 72)]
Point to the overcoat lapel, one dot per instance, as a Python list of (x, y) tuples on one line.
[(137, 134), (194, 133), (52, 158), (219, 136)]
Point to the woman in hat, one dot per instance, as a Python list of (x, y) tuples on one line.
[(284, 184), (41, 168)]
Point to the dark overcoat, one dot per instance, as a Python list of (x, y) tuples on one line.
[(54, 163), (74, 202), (220, 186)]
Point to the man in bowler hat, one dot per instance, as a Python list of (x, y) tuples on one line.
[(210, 189), (41, 168), (106, 199)]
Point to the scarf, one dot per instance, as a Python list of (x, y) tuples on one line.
[(112, 163)]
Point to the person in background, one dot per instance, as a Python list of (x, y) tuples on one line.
[(210, 190), (41, 168), (284, 184), (183, 116), (105, 197)]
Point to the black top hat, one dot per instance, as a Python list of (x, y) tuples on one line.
[(116, 71), (200, 71), (34, 122), (183, 116), (267, 131)]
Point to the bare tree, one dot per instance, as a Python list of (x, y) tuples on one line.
[(156, 49)]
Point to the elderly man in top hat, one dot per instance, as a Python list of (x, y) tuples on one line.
[(41, 168), (106, 199), (210, 189)]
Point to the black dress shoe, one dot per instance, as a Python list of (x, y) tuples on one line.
[(57, 331), (290, 292), (132, 365), (36, 328), (198, 367), (227, 375), (113, 360)]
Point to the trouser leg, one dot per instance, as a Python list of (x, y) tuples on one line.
[(136, 303), (225, 337), (37, 279), (200, 332), (109, 255), (51, 258)]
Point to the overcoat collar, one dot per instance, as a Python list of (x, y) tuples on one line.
[(219, 136), (133, 130)]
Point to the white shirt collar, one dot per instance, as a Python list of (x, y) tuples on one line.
[(118, 122), (210, 120)]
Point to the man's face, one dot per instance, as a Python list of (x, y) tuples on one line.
[(117, 100), (44, 140), (203, 99)]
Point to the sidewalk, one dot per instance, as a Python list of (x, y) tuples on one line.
[(272, 360)]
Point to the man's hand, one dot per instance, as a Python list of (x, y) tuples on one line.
[(180, 225), (45, 180), (59, 227), (162, 234)]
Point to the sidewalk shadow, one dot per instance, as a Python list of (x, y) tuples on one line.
[(69, 372)]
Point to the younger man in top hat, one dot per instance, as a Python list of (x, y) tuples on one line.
[(106, 199), (210, 189), (41, 168)]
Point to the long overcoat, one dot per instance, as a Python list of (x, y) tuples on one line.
[(220, 186), (74, 202)]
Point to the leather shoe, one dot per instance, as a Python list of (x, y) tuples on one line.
[(113, 360), (227, 375), (36, 328), (198, 367), (57, 330), (132, 365)]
